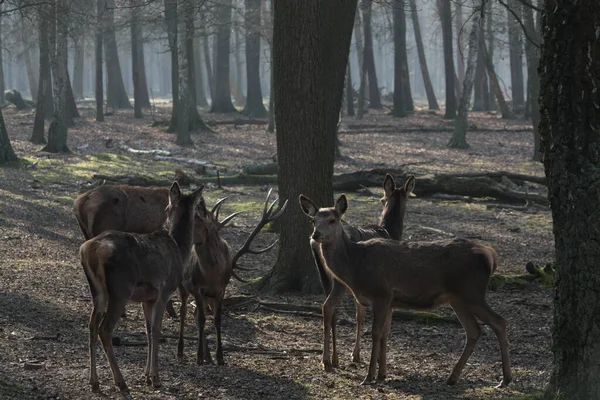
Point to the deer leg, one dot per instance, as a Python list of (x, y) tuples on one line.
[(380, 311), (218, 312), (360, 318), (472, 331), (158, 310), (95, 319), (498, 324), (147, 306), (200, 325), (171, 310), (328, 322), (383, 350), (182, 314), (111, 317)]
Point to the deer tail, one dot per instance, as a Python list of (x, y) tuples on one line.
[(95, 272)]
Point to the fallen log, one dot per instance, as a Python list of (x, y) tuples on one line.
[(238, 122)]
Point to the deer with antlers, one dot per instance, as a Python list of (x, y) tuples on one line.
[(210, 270), (144, 268), (420, 276), (389, 226)]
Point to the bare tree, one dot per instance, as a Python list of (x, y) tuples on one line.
[(254, 100), (366, 7), (446, 18), (185, 12), (37, 135), (431, 100), (99, 87), (221, 101)]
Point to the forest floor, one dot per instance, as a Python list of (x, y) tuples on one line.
[(44, 297)]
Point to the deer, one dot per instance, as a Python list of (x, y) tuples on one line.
[(419, 276), (389, 226), (144, 268), (127, 209), (210, 270)]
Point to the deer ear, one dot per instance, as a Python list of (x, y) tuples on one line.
[(389, 185), (308, 207), (409, 185), (197, 194), (174, 193), (341, 205)]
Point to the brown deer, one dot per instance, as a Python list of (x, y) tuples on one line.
[(126, 209), (145, 268), (389, 226), (209, 272), (420, 276)]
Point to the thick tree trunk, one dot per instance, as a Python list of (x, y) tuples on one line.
[(207, 61), (78, 67), (515, 46), (6, 151), (570, 121), (368, 57), (399, 23), (116, 95), (431, 99), (99, 84), (459, 139), (221, 102), (57, 131), (135, 58), (533, 78), (446, 18), (254, 100), (72, 111), (185, 14), (201, 100), (2, 85), (495, 85), (38, 123), (237, 83), (171, 21), (311, 43)]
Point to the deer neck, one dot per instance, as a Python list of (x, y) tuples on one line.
[(182, 234), (392, 220), (338, 257)]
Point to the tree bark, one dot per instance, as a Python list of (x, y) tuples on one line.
[(368, 57), (116, 95), (33, 84), (570, 121), (57, 131), (201, 100), (349, 93), (99, 87), (171, 21), (237, 83), (515, 47), (459, 139), (254, 99), (533, 78), (6, 151), (72, 111), (446, 18), (78, 67), (221, 102), (480, 101), (311, 42), (2, 84), (185, 15), (207, 61), (143, 85), (399, 29), (431, 99), (495, 85), (460, 46), (135, 60), (37, 135)]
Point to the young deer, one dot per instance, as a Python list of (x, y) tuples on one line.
[(127, 209), (210, 270), (146, 268), (420, 275), (389, 226)]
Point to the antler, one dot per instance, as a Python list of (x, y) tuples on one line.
[(215, 211), (267, 216)]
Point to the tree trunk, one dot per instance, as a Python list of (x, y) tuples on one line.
[(199, 78), (99, 87), (368, 57), (72, 111), (460, 46), (399, 23), (480, 100), (221, 103), (6, 151), (349, 93), (431, 100), (2, 85), (135, 61), (116, 95), (254, 100), (207, 61), (171, 21), (238, 94), (570, 117), (143, 85), (459, 139), (57, 131), (33, 84), (533, 78), (38, 123), (78, 67), (194, 119), (506, 113), (489, 27), (515, 47), (446, 18), (311, 42), (185, 14), (271, 125)]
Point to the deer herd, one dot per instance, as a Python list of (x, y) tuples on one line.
[(143, 244)]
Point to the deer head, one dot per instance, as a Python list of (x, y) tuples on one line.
[(326, 221)]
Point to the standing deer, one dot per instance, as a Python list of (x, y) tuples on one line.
[(389, 226), (420, 276), (209, 272), (127, 209), (146, 268)]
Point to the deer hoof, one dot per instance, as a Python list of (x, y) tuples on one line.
[(220, 361), (95, 387), (381, 377), (155, 382), (123, 387), (367, 381), (451, 380), (327, 366), (335, 362), (356, 358), (505, 382)]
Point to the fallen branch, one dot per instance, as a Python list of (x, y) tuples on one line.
[(437, 231), (189, 161), (238, 122), (128, 149)]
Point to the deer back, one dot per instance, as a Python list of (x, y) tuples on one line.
[(122, 208)]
